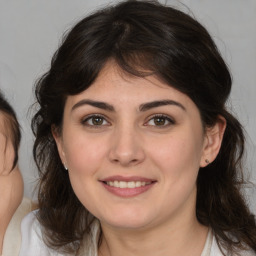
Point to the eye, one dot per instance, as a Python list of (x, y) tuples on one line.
[(160, 121), (95, 120)]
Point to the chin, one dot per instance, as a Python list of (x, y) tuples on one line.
[(127, 221), (127, 225)]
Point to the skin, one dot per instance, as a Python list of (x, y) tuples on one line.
[(127, 140), (11, 182)]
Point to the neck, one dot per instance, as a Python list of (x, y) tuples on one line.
[(185, 239)]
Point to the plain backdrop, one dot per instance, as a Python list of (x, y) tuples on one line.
[(30, 31)]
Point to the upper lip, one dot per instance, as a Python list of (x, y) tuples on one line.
[(127, 179)]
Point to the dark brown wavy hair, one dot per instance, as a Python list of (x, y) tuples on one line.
[(12, 126), (143, 38)]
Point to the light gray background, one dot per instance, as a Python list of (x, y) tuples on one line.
[(30, 31)]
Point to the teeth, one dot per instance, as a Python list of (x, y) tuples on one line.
[(130, 184)]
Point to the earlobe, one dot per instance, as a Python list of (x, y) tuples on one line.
[(213, 139)]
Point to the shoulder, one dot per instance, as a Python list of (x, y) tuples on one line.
[(12, 238), (31, 236), (32, 240), (215, 250), (33, 244)]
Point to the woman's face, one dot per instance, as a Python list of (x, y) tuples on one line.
[(133, 147)]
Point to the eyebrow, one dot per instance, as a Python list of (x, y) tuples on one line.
[(143, 107), (97, 104), (155, 104)]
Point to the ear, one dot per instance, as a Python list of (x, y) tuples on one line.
[(59, 142), (212, 141)]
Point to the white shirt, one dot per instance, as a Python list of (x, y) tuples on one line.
[(32, 242), (12, 237)]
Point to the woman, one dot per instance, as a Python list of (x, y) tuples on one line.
[(136, 152), (11, 183)]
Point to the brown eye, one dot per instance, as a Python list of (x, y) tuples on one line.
[(160, 121), (95, 121)]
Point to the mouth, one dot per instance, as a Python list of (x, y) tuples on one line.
[(127, 186)]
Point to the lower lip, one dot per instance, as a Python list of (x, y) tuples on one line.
[(128, 192)]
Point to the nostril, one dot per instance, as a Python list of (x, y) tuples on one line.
[(126, 154), (126, 160)]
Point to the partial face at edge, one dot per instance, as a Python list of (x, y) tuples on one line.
[(6, 148), (133, 147), (11, 182)]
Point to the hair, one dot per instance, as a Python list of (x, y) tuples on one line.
[(143, 38), (12, 126)]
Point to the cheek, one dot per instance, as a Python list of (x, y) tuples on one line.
[(177, 155), (177, 160), (84, 160), (84, 154)]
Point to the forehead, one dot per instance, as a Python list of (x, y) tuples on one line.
[(115, 85)]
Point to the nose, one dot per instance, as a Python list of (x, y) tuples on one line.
[(126, 147)]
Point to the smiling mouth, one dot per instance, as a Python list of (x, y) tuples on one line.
[(129, 184), (127, 187)]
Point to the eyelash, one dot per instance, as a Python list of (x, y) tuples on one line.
[(86, 120), (104, 122), (161, 116)]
